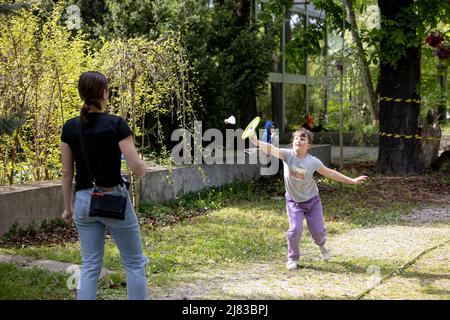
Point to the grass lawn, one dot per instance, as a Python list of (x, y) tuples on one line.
[(35, 283), (229, 242)]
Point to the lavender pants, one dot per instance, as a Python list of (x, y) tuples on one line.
[(312, 210)]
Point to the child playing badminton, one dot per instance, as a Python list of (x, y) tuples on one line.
[(302, 194)]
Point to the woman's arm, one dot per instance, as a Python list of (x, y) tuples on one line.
[(335, 175), (128, 149), (267, 147), (67, 178)]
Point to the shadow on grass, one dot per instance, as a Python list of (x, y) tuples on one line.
[(424, 275), (437, 292), (289, 298)]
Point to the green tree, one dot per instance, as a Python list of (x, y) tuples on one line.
[(301, 41), (11, 118), (150, 86), (41, 61), (11, 8), (399, 78), (366, 76), (129, 18), (396, 49), (229, 54), (404, 25)]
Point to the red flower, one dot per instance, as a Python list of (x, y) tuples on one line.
[(434, 39), (442, 51)]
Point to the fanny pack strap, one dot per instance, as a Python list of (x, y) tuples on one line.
[(83, 149), (79, 123)]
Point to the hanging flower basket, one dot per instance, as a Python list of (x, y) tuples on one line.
[(434, 39), (441, 48), (442, 51)]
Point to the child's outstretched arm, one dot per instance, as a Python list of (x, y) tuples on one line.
[(268, 148), (335, 175)]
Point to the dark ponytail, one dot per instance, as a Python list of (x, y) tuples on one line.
[(91, 86), (84, 111)]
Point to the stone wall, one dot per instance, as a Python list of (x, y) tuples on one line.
[(28, 204)]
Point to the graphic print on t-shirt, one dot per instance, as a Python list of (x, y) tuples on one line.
[(298, 173)]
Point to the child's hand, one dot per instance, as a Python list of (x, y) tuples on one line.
[(360, 179)]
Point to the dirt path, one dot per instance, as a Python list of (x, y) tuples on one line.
[(360, 258)]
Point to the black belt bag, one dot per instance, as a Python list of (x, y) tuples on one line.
[(102, 205), (107, 205)]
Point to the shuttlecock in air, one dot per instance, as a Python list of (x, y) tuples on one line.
[(231, 120)]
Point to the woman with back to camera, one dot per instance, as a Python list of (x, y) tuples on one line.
[(104, 138)]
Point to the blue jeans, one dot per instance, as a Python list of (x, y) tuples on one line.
[(126, 235)]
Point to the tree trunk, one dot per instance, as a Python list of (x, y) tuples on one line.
[(326, 87), (430, 148), (365, 72), (243, 12), (246, 103), (341, 111), (277, 88), (442, 70), (398, 155), (431, 128), (276, 100)]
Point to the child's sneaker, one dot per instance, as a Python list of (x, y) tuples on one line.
[(324, 253), (291, 264)]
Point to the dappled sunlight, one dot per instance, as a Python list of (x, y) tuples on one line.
[(391, 243), (428, 278), (228, 244)]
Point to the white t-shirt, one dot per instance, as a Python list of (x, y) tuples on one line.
[(298, 175)]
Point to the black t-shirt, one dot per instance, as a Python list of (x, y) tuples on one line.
[(102, 133)]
